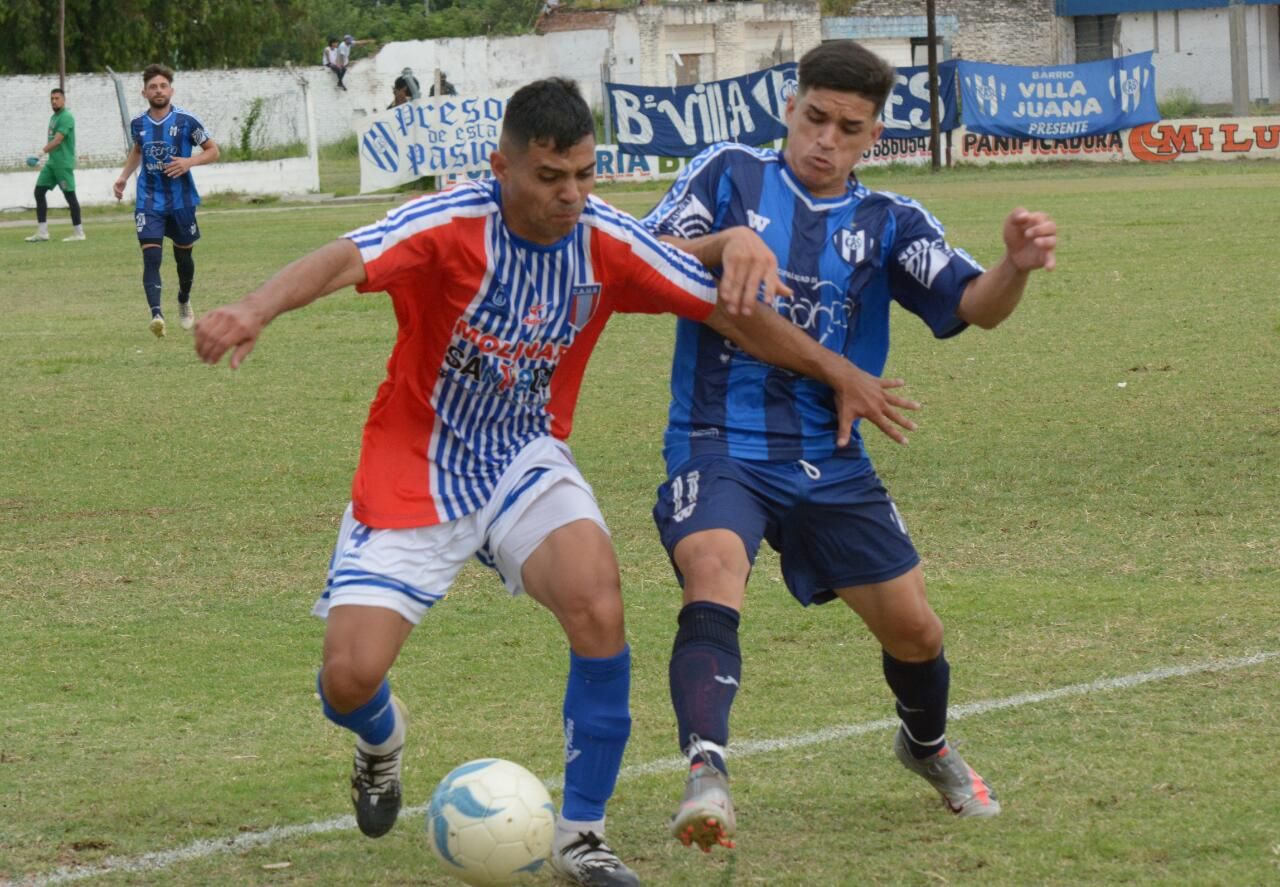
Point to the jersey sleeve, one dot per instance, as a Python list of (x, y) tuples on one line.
[(927, 275), (394, 248), (647, 276), (66, 124), (689, 209), (199, 133)]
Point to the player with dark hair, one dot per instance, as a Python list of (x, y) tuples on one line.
[(749, 447), (501, 289), (59, 170), (163, 139)]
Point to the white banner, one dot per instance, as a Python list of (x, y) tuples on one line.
[(430, 137)]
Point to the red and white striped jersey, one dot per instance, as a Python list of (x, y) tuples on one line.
[(494, 336)]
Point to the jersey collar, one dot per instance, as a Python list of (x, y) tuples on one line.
[(529, 244), (853, 190)]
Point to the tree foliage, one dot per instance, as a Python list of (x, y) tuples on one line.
[(129, 34)]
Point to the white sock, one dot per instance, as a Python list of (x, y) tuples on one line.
[(391, 743), (569, 830), (42, 228), (79, 229)]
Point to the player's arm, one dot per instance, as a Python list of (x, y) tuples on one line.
[(746, 262), (1030, 240), (181, 165), (238, 325), (771, 338), (130, 164), (49, 148)]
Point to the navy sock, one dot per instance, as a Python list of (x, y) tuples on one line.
[(151, 258), (597, 724), (186, 272), (921, 692), (372, 722), (704, 674)]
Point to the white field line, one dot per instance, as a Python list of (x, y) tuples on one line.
[(160, 859)]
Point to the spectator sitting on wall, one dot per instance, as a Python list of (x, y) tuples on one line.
[(344, 48), (335, 61)]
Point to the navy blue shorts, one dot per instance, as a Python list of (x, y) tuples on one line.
[(832, 520), (179, 226)]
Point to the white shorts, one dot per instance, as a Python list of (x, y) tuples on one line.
[(409, 569)]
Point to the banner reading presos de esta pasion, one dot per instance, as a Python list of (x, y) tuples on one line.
[(429, 137)]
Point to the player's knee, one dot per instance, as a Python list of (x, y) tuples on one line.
[(592, 618), (714, 573), (348, 683), (152, 256), (917, 638)]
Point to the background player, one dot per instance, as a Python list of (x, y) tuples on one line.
[(742, 468), (163, 139), (59, 170), (501, 289)]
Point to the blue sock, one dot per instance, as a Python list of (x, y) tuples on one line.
[(597, 724), (151, 257), (921, 691), (372, 722), (704, 674)]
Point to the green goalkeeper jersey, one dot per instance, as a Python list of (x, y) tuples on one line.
[(63, 156)]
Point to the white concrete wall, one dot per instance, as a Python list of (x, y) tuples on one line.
[(295, 175), (1193, 50)]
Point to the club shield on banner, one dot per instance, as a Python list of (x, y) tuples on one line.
[(1059, 102), (435, 136), (679, 121)]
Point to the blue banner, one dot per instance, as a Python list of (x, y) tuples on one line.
[(680, 121), (906, 113), (1060, 102)]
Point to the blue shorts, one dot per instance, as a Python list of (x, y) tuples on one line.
[(832, 520), (179, 226)]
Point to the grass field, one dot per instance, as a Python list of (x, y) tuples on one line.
[(1095, 489)]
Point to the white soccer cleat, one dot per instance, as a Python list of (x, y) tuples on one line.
[(963, 790), (186, 315), (77, 235), (37, 238), (157, 326)]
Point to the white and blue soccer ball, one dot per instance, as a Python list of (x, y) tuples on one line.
[(491, 822)]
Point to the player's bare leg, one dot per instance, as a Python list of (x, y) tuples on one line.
[(574, 574), (360, 645), (910, 633)]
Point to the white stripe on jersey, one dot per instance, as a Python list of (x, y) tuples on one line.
[(417, 216), (675, 265), (680, 189)]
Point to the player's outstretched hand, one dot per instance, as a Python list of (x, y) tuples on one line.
[(747, 264), (1030, 240), (118, 188), (235, 326), (860, 395)]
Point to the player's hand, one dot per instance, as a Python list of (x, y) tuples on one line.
[(235, 326), (177, 167), (747, 264), (1030, 240), (118, 188), (860, 395)]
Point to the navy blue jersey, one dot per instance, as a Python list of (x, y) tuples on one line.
[(160, 141), (845, 258)]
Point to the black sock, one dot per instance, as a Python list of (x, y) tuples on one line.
[(704, 674), (74, 205), (921, 691), (186, 273), (42, 205), (151, 258)]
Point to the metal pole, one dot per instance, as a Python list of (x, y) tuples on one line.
[(935, 142), (62, 44), (1238, 35)]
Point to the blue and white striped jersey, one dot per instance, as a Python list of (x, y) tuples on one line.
[(160, 141), (846, 258)]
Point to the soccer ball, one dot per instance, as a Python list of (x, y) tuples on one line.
[(33, 160), (491, 822)]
